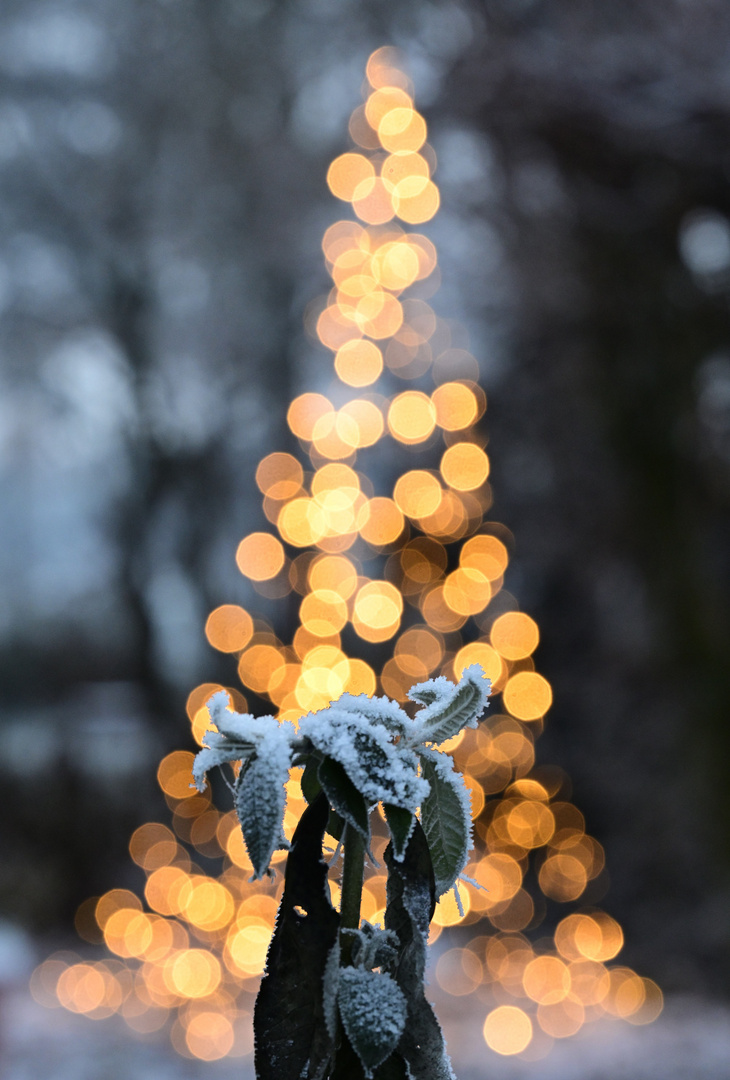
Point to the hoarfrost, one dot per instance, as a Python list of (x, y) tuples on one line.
[(382, 771)]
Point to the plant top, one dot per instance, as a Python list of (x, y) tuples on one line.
[(341, 998)]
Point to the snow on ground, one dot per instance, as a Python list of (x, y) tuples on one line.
[(689, 1041)]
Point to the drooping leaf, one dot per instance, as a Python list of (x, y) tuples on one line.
[(309, 782), (373, 1009), (401, 824), (411, 899), (450, 708), (260, 798), (344, 796), (290, 1032), (446, 819)]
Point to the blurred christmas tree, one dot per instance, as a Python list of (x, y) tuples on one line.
[(394, 574)]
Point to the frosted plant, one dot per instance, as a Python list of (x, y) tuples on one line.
[(343, 999)]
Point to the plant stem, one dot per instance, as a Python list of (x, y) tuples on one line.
[(353, 871)]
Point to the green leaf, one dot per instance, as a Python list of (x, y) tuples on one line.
[(344, 796), (260, 798), (373, 1010), (401, 823), (450, 708), (446, 819), (290, 1030), (310, 785)]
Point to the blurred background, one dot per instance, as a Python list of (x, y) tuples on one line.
[(162, 170)]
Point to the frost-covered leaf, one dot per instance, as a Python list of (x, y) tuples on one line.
[(401, 823), (450, 708), (237, 737), (344, 796), (291, 1037), (411, 901), (260, 797), (380, 770), (446, 819), (373, 1010), (217, 752)]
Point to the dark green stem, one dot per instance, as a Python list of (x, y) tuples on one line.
[(353, 871)]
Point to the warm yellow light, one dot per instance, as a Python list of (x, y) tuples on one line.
[(305, 411), (302, 522), (152, 845), (417, 493), (530, 824), (260, 556), (229, 628), (359, 363), (280, 476), (507, 1030), (515, 635), (396, 265), (411, 417), (465, 466), (546, 980), (166, 890), (456, 406), (383, 522), (383, 101), (563, 877), (367, 420), (467, 591), (402, 129), (323, 612), (209, 1035), (485, 553), (334, 572), (479, 652), (347, 173), (527, 695), (415, 206), (192, 973), (383, 69), (373, 203), (561, 1019), (377, 612), (258, 665), (418, 651), (175, 774)]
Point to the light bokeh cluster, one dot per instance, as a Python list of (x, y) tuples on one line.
[(393, 585)]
